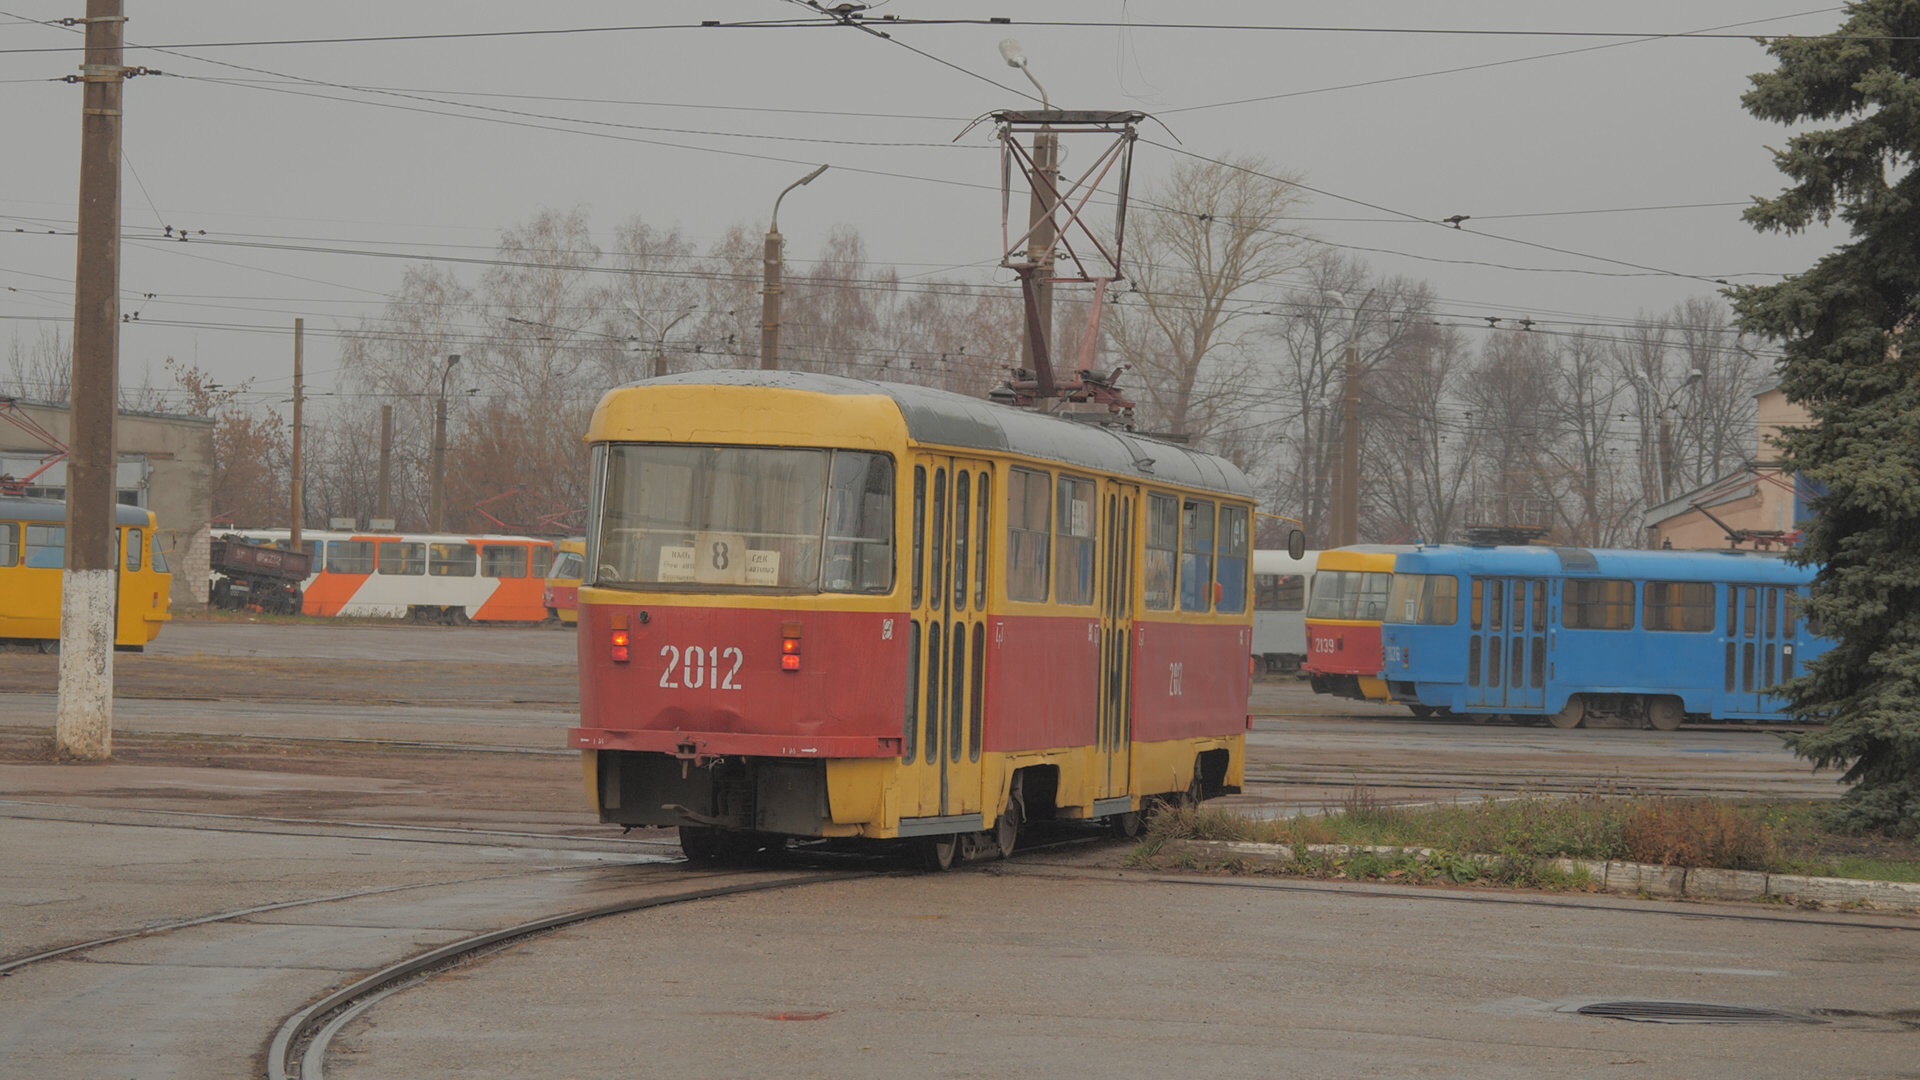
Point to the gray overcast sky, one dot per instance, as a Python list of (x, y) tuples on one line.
[(1623, 123)]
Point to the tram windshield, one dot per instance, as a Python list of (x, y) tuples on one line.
[(744, 517), (1349, 594), (1425, 599)]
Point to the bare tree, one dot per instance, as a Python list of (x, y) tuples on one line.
[(1205, 249)]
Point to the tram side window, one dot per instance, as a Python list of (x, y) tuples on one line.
[(349, 556), (1163, 550), (46, 546), (1279, 592), (1679, 605), (859, 549), (503, 561), (9, 543), (1196, 555), (450, 560), (1232, 553), (1074, 569), (1598, 605), (136, 548), (403, 557), (1029, 529), (1425, 599)]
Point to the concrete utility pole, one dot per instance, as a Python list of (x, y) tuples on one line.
[(772, 287), (437, 500), (1347, 526), (1040, 217), (299, 499), (83, 722), (1346, 508), (386, 463)]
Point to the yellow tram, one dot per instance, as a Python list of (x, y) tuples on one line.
[(33, 551), (825, 607)]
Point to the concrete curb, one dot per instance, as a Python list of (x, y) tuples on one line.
[(1624, 877)]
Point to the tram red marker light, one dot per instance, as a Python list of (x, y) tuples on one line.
[(619, 651), (790, 646), (620, 654), (620, 639), (790, 662)]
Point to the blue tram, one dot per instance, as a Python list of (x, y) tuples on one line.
[(1563, 634)]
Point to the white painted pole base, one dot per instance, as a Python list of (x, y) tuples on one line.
[(83, 720)]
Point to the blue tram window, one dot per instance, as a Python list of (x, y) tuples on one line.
[(1537, 673), (1475, 615), (1473, 658), (1494, 655), (1516, 669), (1496, 608)]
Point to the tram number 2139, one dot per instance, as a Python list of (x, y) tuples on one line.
[(698, 668)]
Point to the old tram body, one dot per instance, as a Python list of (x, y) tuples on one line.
[(825, 607), (1351, 586)]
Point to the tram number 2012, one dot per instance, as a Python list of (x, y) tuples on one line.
[(697, 668)]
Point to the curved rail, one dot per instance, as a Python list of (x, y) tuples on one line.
[(309, 1032)]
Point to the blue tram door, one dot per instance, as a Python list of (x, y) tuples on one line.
[(1507, 644), (1759, 647)]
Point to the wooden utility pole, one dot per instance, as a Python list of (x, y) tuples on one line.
[(299, 498), (386, 463), (83, 723)]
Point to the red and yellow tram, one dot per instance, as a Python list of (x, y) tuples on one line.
[(825, 607), (1351, 587)]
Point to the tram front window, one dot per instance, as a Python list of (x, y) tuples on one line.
[(1349, 594), (737, 517)]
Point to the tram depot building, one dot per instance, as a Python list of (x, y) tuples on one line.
[(166, 466)]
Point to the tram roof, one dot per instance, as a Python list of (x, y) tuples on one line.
[(1662, 565), (43, 511), (943, 418)]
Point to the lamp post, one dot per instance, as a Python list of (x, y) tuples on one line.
[(437, 501), (659, 340), (771, 286), (1665, 446), (1346, 517)]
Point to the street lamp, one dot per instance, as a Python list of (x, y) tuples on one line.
[(659, 341), (1665, 448), (437, 502), (1346, 516), (771, 287)]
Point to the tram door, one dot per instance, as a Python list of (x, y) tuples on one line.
[(952, 511), (1507, 644), (1114, 741), (1756, 646)]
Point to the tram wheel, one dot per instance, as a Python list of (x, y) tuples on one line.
[(1480, 717), (1125, 826), (1422, 711), (1006, 832), (937, 852), (457, 616), (700, 843), (1665, 713), (1570, 717)]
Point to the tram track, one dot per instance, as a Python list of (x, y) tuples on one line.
[(299, 1047)]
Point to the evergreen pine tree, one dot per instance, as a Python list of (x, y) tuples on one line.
[(1845, 325)]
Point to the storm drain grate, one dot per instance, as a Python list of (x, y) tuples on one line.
[(1690, 1012)]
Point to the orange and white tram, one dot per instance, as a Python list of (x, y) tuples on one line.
[(454, 578), (825, 607)]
